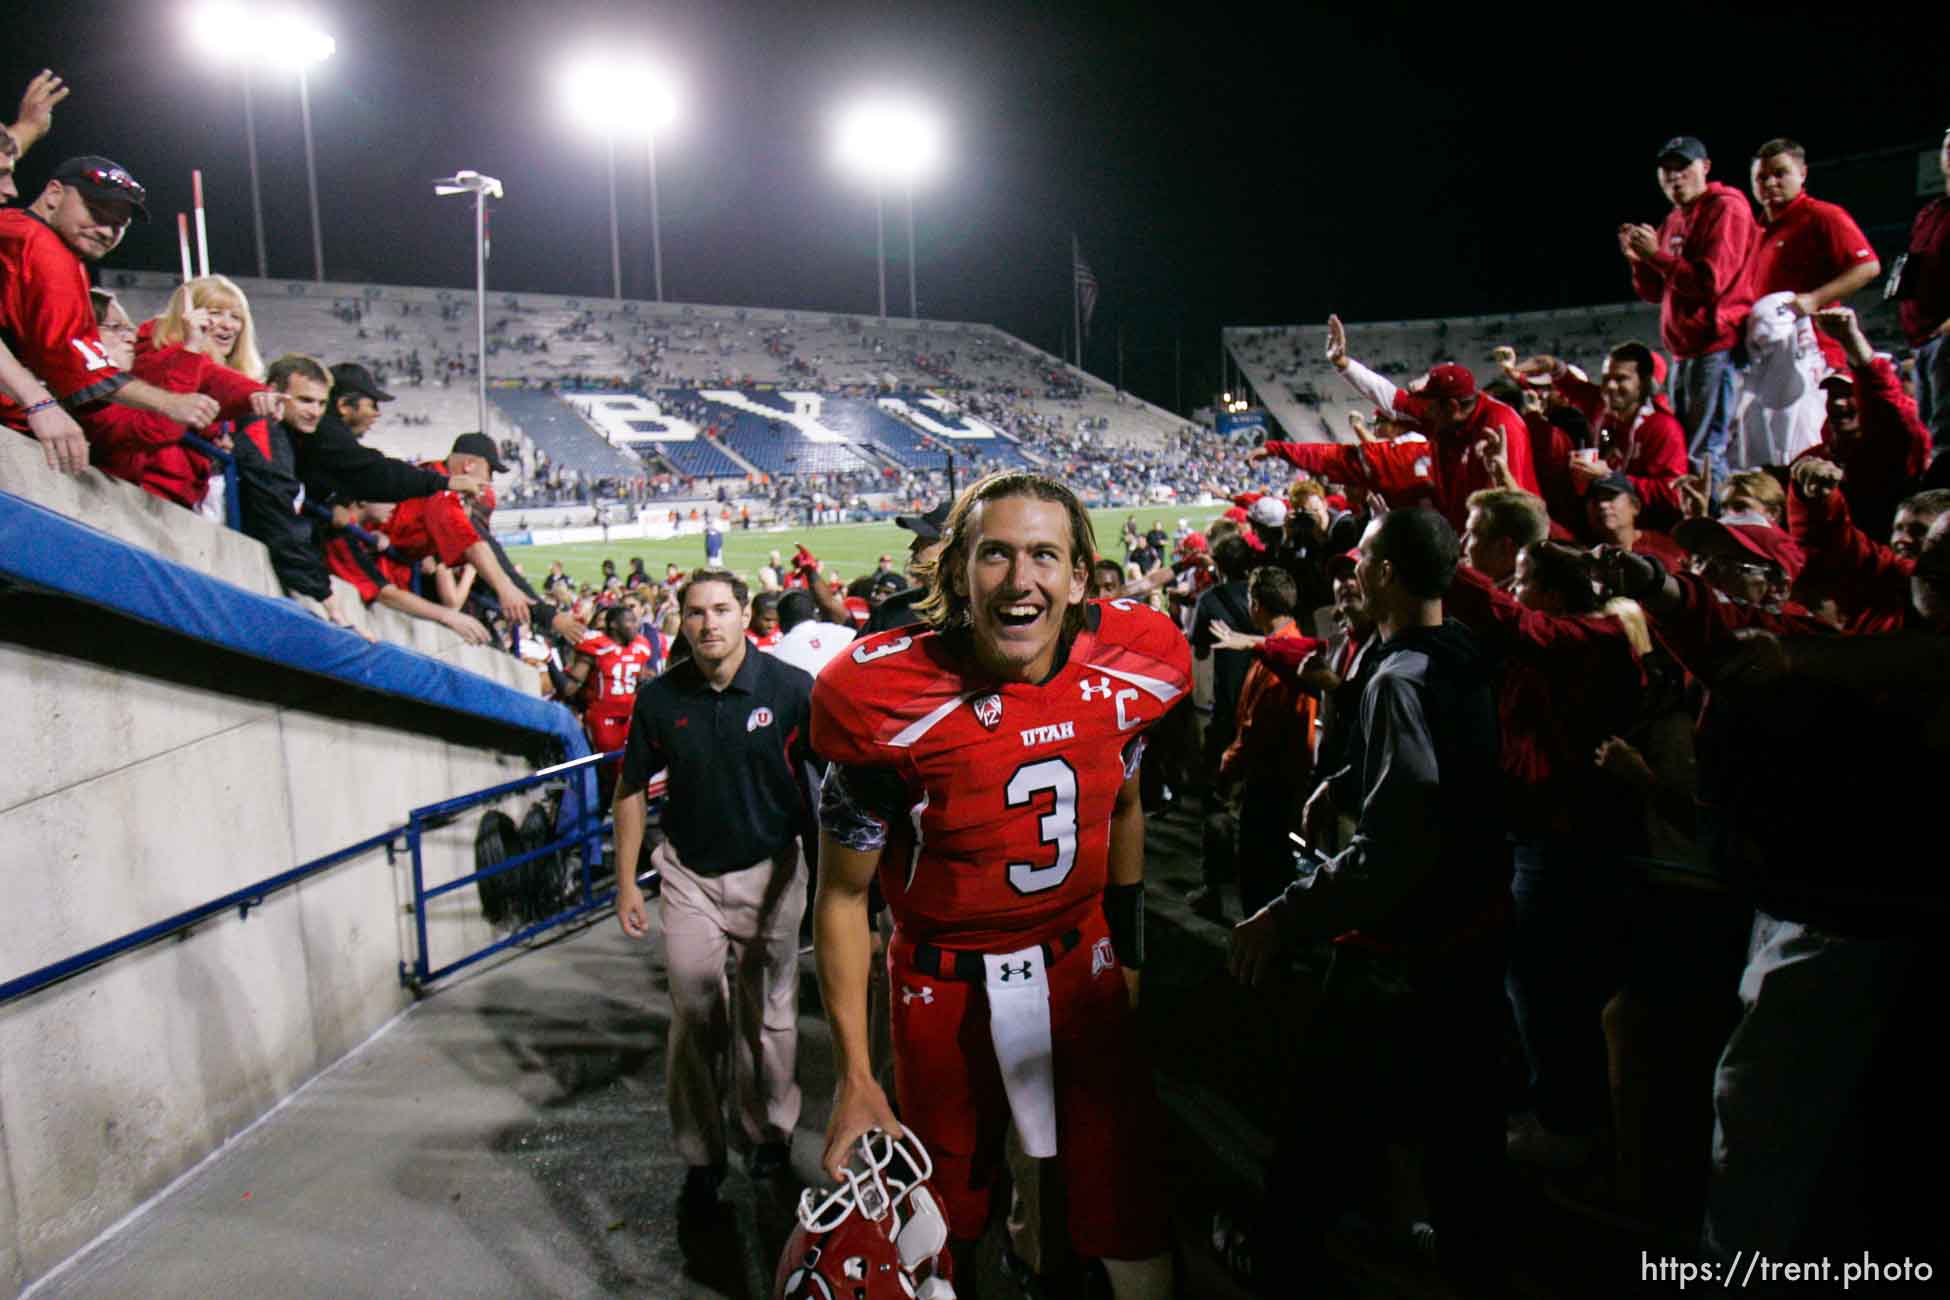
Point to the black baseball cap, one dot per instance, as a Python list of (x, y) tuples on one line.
[(479, 444), (1683, 146), (1613, 485), (104, 179), (927, 527), (350, 379)]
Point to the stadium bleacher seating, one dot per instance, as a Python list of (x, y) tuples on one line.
[(404, 332), (554, 427)]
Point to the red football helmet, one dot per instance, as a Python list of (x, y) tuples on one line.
[(879, 1235)]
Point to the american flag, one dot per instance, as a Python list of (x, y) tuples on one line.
[(1086, 282)]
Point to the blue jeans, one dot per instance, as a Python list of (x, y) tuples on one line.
[(1933, 392), (1702, 394), (1568, 952)]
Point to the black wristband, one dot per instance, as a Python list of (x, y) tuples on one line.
[(1124, 909)]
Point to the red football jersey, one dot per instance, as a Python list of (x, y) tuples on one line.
[(1008, 788), (611, 687)]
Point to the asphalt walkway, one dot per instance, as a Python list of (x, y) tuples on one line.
[(507, 1136)]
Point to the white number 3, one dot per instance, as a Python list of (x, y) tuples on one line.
[(1058, 826), (863, 655)]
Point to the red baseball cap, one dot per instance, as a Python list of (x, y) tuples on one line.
[(1245, 499), (1346, 560), (1751, 532), (1191, 542), (1449, 380)]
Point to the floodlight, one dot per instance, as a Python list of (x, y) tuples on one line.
[(620, 94), (226, 31), (890, 140), (235, 31)]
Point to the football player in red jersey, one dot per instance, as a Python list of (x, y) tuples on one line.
[(985, 767), (605, 676)]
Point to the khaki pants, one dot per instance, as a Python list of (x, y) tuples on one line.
[(754, 915)]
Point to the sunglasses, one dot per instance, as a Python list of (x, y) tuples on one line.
[(116, 179), (1703, 564)]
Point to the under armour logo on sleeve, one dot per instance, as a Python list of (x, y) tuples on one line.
[(1097, 690), (1010, 972)]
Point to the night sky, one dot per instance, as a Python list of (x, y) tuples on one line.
[(1368, 159)]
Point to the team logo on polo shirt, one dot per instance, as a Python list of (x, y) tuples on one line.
[(761, 717), (988, 711)]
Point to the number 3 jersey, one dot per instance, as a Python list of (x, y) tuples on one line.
[(990, 801)]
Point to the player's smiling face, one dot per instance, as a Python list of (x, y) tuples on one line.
[(1020, 579)]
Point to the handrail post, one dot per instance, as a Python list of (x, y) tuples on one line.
[(421, 966), (233, 509), (592, 850)]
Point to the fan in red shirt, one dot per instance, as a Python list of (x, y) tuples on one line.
[(1440, 473), (1809, 248), (1691, 265), (382, 578), (986, 770), (46, 315), (1637, 435), (1873, 430), (146, 448), (1871, 580)]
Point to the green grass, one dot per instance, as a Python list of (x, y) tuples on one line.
[(852, 549)]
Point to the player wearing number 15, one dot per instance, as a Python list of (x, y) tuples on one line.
[(607, 670), (985, 766)]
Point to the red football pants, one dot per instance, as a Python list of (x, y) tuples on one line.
[(435, 525), (1109, 1122)]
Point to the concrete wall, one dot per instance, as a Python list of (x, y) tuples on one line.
[(127, 795)]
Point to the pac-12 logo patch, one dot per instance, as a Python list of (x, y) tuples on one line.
[(988, 711), (1102, 957), (761, 717)]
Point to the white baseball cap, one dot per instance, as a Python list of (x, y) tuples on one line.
[(1268, 512)]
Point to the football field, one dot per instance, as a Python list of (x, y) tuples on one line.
[(851, 549)]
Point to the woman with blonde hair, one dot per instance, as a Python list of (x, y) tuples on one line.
[(190, 348), (228, 335)]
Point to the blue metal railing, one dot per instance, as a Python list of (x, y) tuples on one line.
[(242, 899), (587, 829)]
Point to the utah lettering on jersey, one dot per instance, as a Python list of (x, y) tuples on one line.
[(1045, 735)]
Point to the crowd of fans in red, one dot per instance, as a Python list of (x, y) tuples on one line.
[(1721, 693)]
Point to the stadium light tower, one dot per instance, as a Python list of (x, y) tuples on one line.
[(890, 140), (251, 37), (482, 188), (624, 95)]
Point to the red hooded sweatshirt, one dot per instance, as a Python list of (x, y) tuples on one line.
[(1570, 682)]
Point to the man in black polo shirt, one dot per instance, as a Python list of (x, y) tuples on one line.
[(731, 726)]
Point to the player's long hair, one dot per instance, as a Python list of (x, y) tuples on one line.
[(944, 608), (213, 291)]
